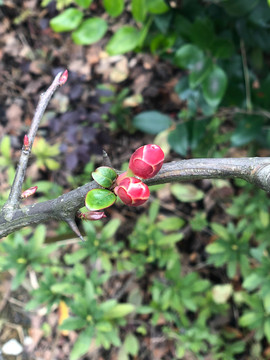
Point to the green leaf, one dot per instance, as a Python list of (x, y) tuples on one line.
[(131, 344), (63, 288), (125, 39), (144, 32), (38, 238), (67, 21), (180, 351), (119, 311), (122, 354), (170, 239), (202, 32), (197, 130), (108, 305), (199, 72), (260, 16), (252, 281), (50, 150), (178, 139), (152, 122), (222, 48), (172, 223), (215, 248), (5, 147), (188, 57), (84, 3), (248, 129), (114, 7), (73, 323), (199, 222), (162, 140), (52, 164), (157, 6), (77, 256), (104, 176), (44, 2), (153, 211), (220, 230), (89, 290), (90, 31), (248, 319), (18, 278), (104, 326), (98, 199), (138, 9), (231, 268), (82, 344), (239, 7), (161, 43), (110, 229), (214, 86), (264, 218), (186, 192), (266, 329)]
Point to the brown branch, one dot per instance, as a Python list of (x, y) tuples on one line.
[(14, 198), (253, 170)]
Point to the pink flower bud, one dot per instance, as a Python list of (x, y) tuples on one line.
[(146, 161), (91, 215), (63, 78), (26, 142), (121, 177), (132, 191), (29, 192)]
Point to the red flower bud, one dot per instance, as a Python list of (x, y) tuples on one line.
[(132, 191), (146, 161), (29, 192)]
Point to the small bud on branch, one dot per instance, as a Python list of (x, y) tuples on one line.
[(63, 78), (29, 192), (91, 215), (26, 142)]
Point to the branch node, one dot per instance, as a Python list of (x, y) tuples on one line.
[(8, 211)]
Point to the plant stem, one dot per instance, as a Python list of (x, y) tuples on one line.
[(246, 75), (16, 188)]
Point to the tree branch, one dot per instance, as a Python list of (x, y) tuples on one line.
[(16, 188), (253, 170)]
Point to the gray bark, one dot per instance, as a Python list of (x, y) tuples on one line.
[(253, 170)]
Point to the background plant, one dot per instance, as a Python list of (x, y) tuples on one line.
[(193, 268)]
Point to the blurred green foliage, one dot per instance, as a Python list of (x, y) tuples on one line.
[(175, 295), (221, 46), (221, 51)]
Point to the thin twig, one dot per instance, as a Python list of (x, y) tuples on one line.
[(246, 75), (16, 188)]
